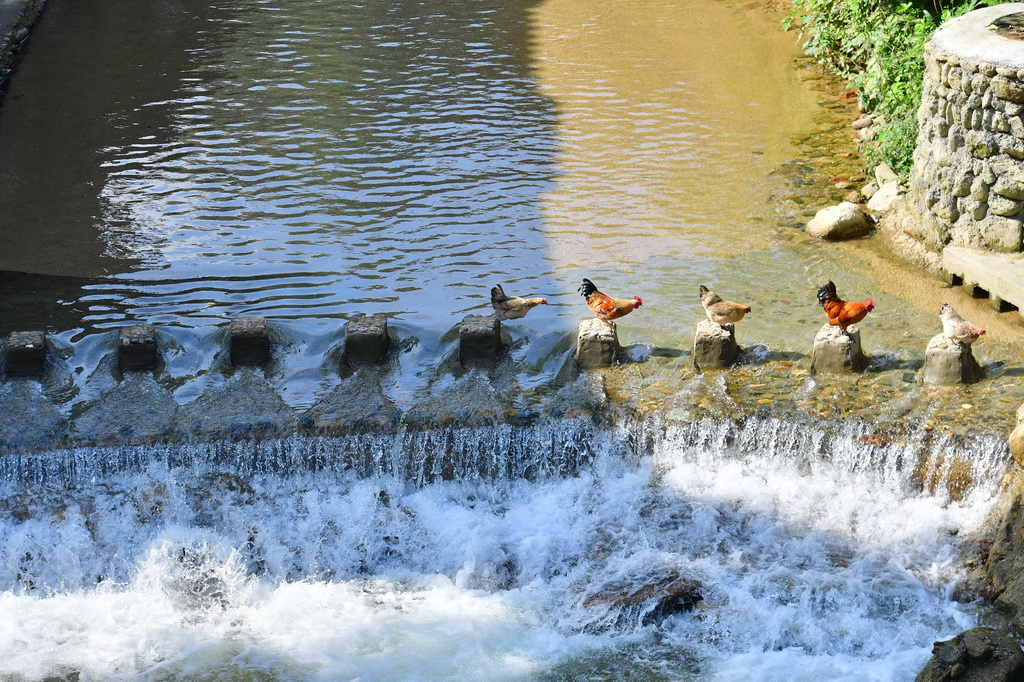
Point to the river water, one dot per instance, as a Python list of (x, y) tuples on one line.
[(187, 163)]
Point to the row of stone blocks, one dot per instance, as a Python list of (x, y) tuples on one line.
[(367, 342), (715, 347)]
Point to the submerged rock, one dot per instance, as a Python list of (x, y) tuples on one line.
[(977, 655), (649, 594)]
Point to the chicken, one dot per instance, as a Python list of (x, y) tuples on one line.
[(957, 328), (842, 313), (512, 307), (721, 312), (607, 308)]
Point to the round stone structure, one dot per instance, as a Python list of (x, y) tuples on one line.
[(966, 187)]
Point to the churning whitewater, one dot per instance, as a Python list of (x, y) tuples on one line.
[(813, 555)]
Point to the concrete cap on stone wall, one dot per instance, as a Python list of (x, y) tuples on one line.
[(970, 38)]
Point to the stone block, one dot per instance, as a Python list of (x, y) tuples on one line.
[(974, 290), (479, 340), (137, 348), (249, 341), (597, 344), (836, 352), (714, 345), (25, 353), (999, 304), (366, 339), (949, 362)]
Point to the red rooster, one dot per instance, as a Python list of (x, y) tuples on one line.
[(604, 307), (842, 313)]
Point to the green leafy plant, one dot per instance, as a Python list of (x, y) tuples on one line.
[(878, 46)]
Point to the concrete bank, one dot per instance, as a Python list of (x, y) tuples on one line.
[(16, 20)]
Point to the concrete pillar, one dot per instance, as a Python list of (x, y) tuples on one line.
[(597, 344), (25, 353), (479, 340), (250, 341), (136, 348), (834, 351), (366, 339), (714, 345), (949, 362)]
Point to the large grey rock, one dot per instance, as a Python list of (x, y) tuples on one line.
[(479, 340), (949, 362), (366, 339), (881, 200), (844, 221), (836, 352), (714, 345), (976, 655), (597, 344)]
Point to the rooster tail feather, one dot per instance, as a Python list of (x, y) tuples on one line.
[(497, 294), (587, 288), (827, 292)]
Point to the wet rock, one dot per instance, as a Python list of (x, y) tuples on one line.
[(471, 401), (366, 339), (358, 405), (1016, 443), (835, 351), (479, 341), (28, 418), (845, 221), (137, 348), (249, 341), (977, 655), (597, 344), (714, 345), (648, 595), (949, 362), (246, 406), (137, 409), (25, 353)]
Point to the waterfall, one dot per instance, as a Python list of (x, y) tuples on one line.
[(507, 552)]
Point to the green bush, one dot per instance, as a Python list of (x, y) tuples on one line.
[(878, 45)]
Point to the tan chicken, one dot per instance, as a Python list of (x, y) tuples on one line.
[(512, 307), (721, 312), (605, 307), (957, 328)]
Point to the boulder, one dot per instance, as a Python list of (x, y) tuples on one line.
[(714, 345), (649, 595), (844, 221), (835, 351), (976, 655), (597, 344), (949, 362)]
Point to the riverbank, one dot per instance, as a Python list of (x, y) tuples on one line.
[(16, 20)]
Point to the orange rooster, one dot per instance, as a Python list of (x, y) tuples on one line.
[(604, 307), (842, 313)]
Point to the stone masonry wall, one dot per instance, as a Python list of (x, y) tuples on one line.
[(967, 181)]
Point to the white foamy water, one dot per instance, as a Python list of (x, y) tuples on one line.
[(816, 557)]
